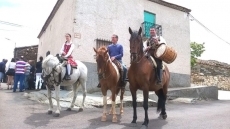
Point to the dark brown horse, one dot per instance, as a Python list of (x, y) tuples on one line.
[(142, 76), (110, 81)]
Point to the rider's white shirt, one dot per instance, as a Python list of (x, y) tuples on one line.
[(162, 40), (70, 50)]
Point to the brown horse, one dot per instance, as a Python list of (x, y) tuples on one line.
[(142, 76), (110, 81)]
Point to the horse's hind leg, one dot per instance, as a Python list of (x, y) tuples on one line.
[(57, 91), (74, 97), (161, 104), (50, 110), (83, 85), (121, 100)]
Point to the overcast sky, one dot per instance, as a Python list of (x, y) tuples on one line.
[(32, 14)]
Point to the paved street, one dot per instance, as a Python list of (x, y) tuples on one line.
[(17, 112)]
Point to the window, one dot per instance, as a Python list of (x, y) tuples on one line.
[(150, 21), (102, 42)]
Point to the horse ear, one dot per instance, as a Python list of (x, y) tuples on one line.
[(130, 30), (95, 50), (140, 30)]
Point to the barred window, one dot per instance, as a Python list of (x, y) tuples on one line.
[(102, 42)]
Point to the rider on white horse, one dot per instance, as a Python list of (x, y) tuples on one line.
[(66, 52)]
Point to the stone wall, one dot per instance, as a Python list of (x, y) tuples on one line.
[(211, 73), (29, 52)]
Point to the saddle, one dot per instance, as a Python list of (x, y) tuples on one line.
[(153, 62), (120, 68), (61, 60)]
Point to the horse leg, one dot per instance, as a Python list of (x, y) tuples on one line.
[(145, 105), (83, 85), (57, 91), (121, 100), (161, 104), (50, 110), (134, 97), (74, 97), (114, 119), (103, 118)]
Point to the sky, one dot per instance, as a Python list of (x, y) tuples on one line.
[(32, 14)]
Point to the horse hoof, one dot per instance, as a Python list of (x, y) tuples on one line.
[(68, 109), (162, 116), (144, 127), (50, 112), (114, 120), (56, 115), (121, 112), (80, 109), (103, 118), (133, 125)]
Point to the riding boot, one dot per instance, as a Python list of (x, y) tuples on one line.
[(99, 78), (159, 77), (122, 84)]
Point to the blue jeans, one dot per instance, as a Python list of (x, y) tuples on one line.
[(19, 77), (124, 70), (26, 86), (1, 76)]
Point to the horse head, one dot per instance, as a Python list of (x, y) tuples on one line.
[(50, 67), (102, 58), (136, 45)]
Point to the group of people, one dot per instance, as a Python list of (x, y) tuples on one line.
[(21, 69), (21, 72), (115, 51)]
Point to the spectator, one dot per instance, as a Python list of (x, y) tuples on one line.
[(2, 70), (10, 73), (19, 74), (27, 74), (39, 73)]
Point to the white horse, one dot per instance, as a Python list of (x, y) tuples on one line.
[(53, 74)]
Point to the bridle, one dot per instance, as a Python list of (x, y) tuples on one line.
[(136, 54), (50, 78), (102, 74)]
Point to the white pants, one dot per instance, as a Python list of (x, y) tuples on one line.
[(38, 80)]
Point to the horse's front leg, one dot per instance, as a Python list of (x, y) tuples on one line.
[(50, 110), (114, 119), (145, 105), (134, 98), (57, 91), (103, 118)]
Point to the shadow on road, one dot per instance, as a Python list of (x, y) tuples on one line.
[(43, 119)]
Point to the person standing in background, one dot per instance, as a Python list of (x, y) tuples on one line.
[(27, 74), (39, 73), (2, 70), (19, 74), (10, 74)]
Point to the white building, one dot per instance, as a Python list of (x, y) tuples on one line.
[(91, 20)]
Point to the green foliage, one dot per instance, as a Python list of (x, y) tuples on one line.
[(196, 51)]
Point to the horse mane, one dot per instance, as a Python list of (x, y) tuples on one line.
[(102, 49), (50, 61)]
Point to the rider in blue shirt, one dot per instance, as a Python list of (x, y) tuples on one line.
[(116, 52)]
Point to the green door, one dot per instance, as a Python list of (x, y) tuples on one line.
[(149, 21)]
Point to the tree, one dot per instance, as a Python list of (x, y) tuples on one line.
[(196, 51)]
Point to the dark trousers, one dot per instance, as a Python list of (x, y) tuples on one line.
[(159, 63)]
